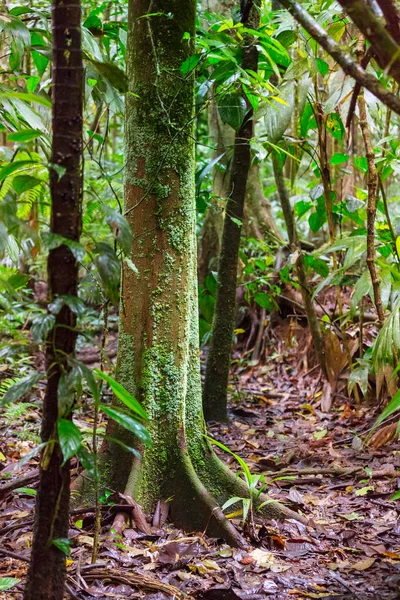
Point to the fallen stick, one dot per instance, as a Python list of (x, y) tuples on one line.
[(20, 482), (133, 579), (333, 471)]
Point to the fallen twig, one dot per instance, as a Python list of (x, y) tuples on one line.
[(133, 579), (332, 471)]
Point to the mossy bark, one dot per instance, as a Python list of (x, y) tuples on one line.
[(219, 355), (158, 353)]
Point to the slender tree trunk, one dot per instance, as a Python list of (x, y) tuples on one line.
[(295, 247), (158, 345), (46, 576), (373, 188), (219, 356)]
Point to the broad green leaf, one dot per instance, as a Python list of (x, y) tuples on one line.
[(63, 544), (87, 374), (41, 327), (19, 389), (396, 496), (232, 109), (190, 63), (110, 71), (23, 183), (26, 135), (120, 228), (70, 438), (7, 583), (88, 461), (335, 126), (278, 118), (128, 422), (339, 159), (122, 394), (16, 165)]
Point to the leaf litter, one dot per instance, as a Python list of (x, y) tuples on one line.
[(314, 460)]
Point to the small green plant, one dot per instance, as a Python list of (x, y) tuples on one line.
[(252, 482)]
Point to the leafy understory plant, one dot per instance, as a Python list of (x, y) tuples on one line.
[(252, 480)]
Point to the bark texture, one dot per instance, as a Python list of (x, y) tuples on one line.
[(158, 353), (46, 575), (219, 355)]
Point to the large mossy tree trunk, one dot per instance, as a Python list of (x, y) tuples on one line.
[(158, 348), (46, 575), (219, 355)]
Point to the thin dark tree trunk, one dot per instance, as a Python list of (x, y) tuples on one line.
[(373, 189), (46, 576), (219, 356), (295, 248)]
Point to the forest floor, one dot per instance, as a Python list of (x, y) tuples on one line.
[(313, 461)]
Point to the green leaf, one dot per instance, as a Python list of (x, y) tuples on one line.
[(114, 440), (114, 75), (87, 374), (26, 135), (128, 422), (19, 389), (232, 109), (14, 166), (63, 544), (233, 500), (242, 463), (335, 126), (27, 491), (396, 496), (392, 407), (7, 582), (120, 228), (122, 394), (41, 327), (339, 159), (75, 304), (364, 490), (109, 269), (88, 460), (277, 118), (70, 438), (190, 63), (264, 300), (322, 66), (23, 183)]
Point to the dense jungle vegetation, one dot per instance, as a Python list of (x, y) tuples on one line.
[(199, 299)]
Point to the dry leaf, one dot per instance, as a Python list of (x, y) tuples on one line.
[(363, 565)]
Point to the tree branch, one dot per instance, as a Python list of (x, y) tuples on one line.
[(385, 48), (349, 66)]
